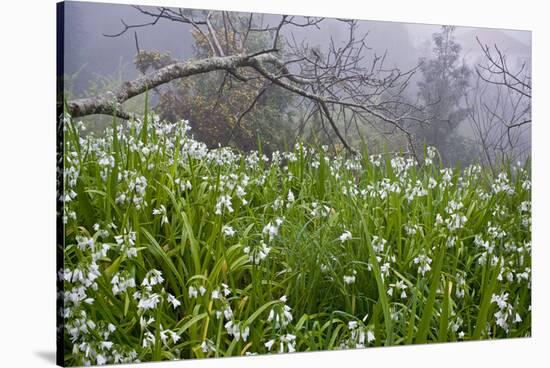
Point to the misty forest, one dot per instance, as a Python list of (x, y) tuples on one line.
[(239, 183)]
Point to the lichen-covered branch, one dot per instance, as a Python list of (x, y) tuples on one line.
[(110, 102)]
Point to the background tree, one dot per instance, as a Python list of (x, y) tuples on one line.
[(442, 89), (214, 102)]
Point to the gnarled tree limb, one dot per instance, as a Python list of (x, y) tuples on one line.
[(106, 103), (330, 81)]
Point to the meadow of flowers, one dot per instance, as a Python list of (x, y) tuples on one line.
[(176, 251)]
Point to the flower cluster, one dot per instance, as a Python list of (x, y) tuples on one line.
[(191, 247)]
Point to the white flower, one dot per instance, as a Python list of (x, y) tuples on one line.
[(269, 344), (226, 290), (423, 262), (193, 293), (378, 244), (290, 341), (144, 323), (208, 347), (241, 193), (447, 175), (237, 331), (349, 279), (431, 151), (228, 231), (161, 212), (184, 186), (131, 252), (175, 302), (150, 302), (281, 318), (375, 160), (223, 202), (101, 360), (174, 336), (320, 210), (227, 312), (106, 345), (451, 241), (501, 300), (277, 203), (257, 254), (346, 235), (148, 339), (152, 278), (400, 285), (370, 336), (455, 222), (121, 283), (272, 229), (290, 197), (163, 336), (245, 333)]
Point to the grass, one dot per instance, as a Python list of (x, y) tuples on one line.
[(174, 251)]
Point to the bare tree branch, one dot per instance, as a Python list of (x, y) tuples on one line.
[(497, 72), (335, 82), (128, 27)]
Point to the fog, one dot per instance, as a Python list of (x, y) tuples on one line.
[(90, 54)]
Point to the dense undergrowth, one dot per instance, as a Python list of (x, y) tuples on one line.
[(175, 251)]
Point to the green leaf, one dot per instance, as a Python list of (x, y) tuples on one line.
[(168, 266), (424, 326), (382, 298), (486, 303)]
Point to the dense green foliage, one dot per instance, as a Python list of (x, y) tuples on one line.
[(175, 251)]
